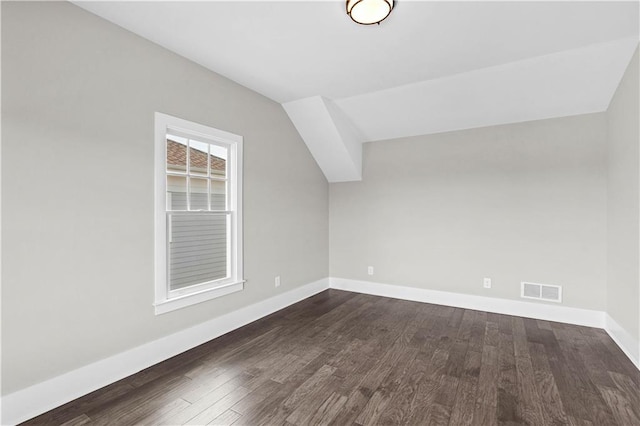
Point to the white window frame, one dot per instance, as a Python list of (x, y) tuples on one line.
[(166, 300)]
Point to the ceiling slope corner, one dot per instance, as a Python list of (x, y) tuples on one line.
[(627, 55), (332, 140)]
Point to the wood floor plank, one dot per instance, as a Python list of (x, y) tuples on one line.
[(551, 403), (201, 388), (428, 387), (372, 410), (457, 355), (255, 398), (274, 410), (576, 421), (616, 360), (463, 407), (627, 387), (447, 390), (568, 385), (328, 410), (344, 358), (466, 325), (439, 415), (227, 418), (597, 411), (478, 328), (81, 420), (207, 400), (402, 402), (364, 388), (550, 400), (308, 387), (313, 401), (219, 407), (307, 390), (348, 359), (507, 402), (598, 373), (529, 401), (295, 365), (272, 406), (163, 412), (484, 414), (622, 409), (352, 407), (250, 347), (464, 403), (389, 385), (487, 384)]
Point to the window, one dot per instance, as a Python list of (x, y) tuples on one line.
[(198, 218)]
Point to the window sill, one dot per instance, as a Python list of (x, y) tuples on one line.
[(193, 298)]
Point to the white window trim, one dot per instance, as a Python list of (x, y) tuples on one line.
[(166, 301)]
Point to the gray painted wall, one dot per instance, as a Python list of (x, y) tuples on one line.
[(78, 101), (520, 202), (623, 203)]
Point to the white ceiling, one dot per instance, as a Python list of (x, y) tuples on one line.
[(293, 50), (577, 81), (429, 67)]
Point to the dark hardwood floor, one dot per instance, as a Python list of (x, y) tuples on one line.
[(345, 358)]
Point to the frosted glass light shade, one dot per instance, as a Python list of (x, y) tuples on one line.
[(367, 12)]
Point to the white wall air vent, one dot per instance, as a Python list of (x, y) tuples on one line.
[(547, 292)]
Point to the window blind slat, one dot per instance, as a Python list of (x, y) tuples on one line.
[(198, 249)]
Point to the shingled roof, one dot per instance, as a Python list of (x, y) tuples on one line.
[(177, 155)]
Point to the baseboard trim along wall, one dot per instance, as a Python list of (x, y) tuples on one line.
[(627, 343), (542, 311), (42, 397)]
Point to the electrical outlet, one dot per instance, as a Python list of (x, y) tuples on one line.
[(487, 283), (278, 281), (370, 270)]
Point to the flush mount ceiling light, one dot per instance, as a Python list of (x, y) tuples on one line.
[(367, 12)]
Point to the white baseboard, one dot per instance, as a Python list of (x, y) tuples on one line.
[(519, 308), (42, 397), (627, 343)]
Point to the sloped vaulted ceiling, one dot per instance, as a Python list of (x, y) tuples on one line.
[(430, 67)]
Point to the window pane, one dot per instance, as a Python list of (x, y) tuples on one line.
[(176, 154), (218, 163), (176, 193), (198, 153), (198, 194), (218, 195), (197, 249)]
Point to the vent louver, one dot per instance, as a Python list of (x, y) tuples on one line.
[(547, 292)]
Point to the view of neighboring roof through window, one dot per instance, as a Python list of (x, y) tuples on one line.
[(204, 159), (177, 156)]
